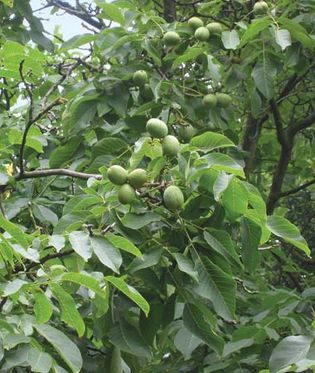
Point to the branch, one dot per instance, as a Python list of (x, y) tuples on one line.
[(302, 124), (31, 121), (85, 16), (55, 172), (297, 189), (49, 257), (278, 122)]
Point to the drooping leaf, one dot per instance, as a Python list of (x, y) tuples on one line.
[(283, 38), (281, 227), (209, 141), (106, 253), (85, 280), (251, 234), (289, 351), (126, 338), (196, 323), (67, 350), (81, 244), (130, 292), (43, 308), (68, 310), (230, 39), (123, 244), (217, 286)]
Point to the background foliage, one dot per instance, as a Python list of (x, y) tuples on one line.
[(225, 284)]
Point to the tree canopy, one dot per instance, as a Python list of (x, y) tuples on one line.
[(157, 187)]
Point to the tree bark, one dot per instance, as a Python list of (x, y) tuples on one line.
[(278, 176), (170, 10)]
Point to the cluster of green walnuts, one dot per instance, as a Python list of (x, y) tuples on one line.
[(129, 182)]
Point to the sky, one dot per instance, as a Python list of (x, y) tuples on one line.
[(70, 25)]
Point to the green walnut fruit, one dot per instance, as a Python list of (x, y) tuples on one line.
[(140, 77), (195, 22), (173, 198), (126, 194), (171, 38), (261, 7), (210, 100), (202, 34), (117, 175), (138, 177), (170, 146), (223, 99), (156, 128), (146, 92), (214, 27), (186, 132)]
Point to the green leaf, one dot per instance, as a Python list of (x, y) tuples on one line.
[(57, 241), (230, 39), (235, 200), (137, 221), (186, 342), (223, 162), (263, 75), (123, 244), (148, 259), (127, 339), (251, 234), (289, 351), (77, 41), (106, 253), (68, 310), (15, 232), (85, 280), (67, 350), (130, 292), (45, 215), (63, 154), (8, 2), (81, 244), (109, 145), (42, 307), (281, 227), (185, 265), (221, 242), (216, 285), (255, 28), (283, 38), (190, 54), (111, 12), (221, 183), (39, 361), (196, 323), (209, 141), (231, 347), (297, 32), (13, 287)]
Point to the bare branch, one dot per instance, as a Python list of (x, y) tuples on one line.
[(297, 189), (55, 172), (302, 124), (278, 122), (31, 121)]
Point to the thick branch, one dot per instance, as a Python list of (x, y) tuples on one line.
[(278, 176), (169, 10), (297, 189), (55, 172), (302, 124), (85, 16), (278, 122), (31, 121)]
